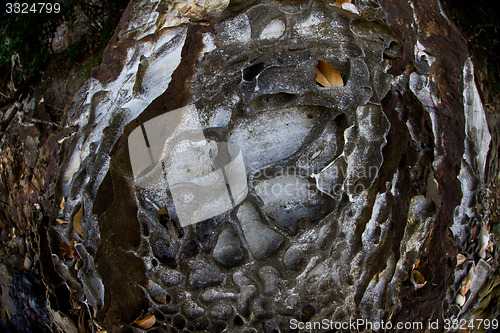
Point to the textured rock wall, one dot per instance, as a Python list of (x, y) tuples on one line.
[(381, 175)]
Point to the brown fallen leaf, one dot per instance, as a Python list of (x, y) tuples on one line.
[(69, 250), (328, 76), (417, 262), (163, 211), (484, 241), (146, 322), (417, 279), (461, 259), (339, 3), (77, 223), (161, 298), (61, 221), (465, 285)]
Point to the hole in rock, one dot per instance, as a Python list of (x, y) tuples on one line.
[(327, 75), (238, 320), (179, 322), (219, 327), (251, 72)]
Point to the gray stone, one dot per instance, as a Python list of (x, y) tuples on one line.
[(221, 311), (270, 276), (288, 199), (204, 277), (227, 251), (262, 241), (293, 257)]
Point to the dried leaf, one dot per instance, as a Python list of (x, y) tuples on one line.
[(461, 259), (492, 284), (161, 298), (60, 141), (417, 279), (328, 76), (77, 223), (69, 251), (78, 265), (484, 241), (63, 201), (465, 285), (145, 323), (163, 211), (417, 262), (61, 221), (339, 3)]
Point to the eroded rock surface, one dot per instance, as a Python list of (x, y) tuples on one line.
[(350, 188)]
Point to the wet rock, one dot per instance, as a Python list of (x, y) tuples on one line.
[(169, 309), (262, 241), (261, 308), (289, 198), (293, 257), (205, 229), (227, 251), (259, 144), (270, 276), (193, 310), (167, 277), (205, 276), (247, 292), (221, 311), (191, 248), (163, 252)]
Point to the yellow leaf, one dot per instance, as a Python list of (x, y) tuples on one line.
[(69, 251), (417, 262), (417, 279), (460, 259), (145, 323), (339, 3), (61, 221), (77, 223), (63, 201), (161, 298), (465, 285), (328, 76), (163, 211)]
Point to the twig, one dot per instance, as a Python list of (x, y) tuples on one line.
[(46, 122)]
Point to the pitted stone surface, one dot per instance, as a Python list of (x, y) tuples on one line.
[(348, 186)]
